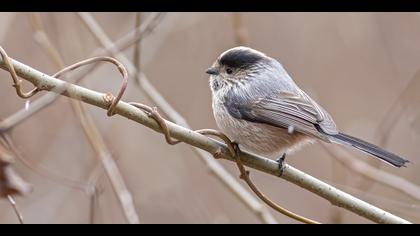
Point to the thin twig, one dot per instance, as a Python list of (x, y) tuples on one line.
[(15, 208), (133, 37), (11, 183), (188, 136), (137, 48), (111, 169), (41, 37), (409, 95), (93, 203), (90, 129), (16, 82), (95, 192), (241, 33), (371, 172), (382, 177), (148, 89), (110, 99), (337, 176), (275, 206), (245, 176), (40, 170)]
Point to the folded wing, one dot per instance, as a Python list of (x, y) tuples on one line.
[(285, 109)]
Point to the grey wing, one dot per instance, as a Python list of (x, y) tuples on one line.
[(286, 109)]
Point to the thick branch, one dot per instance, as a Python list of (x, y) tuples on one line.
[(291, 174)]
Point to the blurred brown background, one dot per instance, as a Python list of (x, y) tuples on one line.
[(355, 64)]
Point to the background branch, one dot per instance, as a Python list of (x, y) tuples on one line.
[(92, 133), (15, 208), (137, 48), (406, 99), (241, 33), (375, 174)]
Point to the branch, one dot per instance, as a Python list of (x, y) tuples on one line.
[(291, 174), (148, 89)]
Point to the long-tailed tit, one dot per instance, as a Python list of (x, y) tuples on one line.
[(258, 105)]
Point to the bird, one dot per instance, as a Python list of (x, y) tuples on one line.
[(260, 108)]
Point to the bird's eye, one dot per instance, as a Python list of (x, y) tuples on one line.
[(229, 71)]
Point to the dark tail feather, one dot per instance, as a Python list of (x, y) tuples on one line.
[(370, 149)]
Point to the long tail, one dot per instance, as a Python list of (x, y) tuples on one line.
[(369, 148)]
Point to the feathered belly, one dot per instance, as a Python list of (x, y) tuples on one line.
[(258, 138)]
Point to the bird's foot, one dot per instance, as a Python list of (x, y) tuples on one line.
[(236, 151), (236, 148), (218, 154), (281, 163)]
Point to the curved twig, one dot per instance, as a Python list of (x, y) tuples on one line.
[(153, 113), (109, 98), (17, 82), (245, 176)]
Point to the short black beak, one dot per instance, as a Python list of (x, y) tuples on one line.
[(211, 71)]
